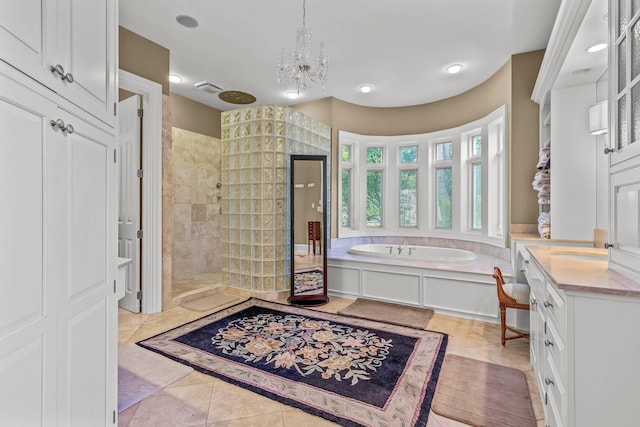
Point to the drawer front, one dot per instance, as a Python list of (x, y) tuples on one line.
[(555, 309), (555, 395), (555, 348)]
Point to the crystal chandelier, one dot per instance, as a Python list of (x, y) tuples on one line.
[(300, 69)]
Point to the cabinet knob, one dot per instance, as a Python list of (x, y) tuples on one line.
[(609, 245), (608, 150), (548, 343), (59, 70), (62, 126), (533, 301), (548, 381), (547, 304)]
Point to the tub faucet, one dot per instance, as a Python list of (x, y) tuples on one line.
[(401, 247)]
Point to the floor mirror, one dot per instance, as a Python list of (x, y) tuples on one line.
[(308, 230)]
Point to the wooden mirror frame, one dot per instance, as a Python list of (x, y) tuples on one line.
[(319, 298)]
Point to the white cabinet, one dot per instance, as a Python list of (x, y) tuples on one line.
[(624, 171), (583, 357), (75, 38), (58, 312)]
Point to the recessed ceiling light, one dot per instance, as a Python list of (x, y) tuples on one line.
[(187, 21), (454, 68), (365, 88), (293, 94), (597, 47), (174, 78)]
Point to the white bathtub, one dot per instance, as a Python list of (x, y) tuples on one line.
[(410, 252)]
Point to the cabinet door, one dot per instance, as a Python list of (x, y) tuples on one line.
[(624, 171), (77, 35), (87, 50), (87, 299), (625, 221), (27, 37)]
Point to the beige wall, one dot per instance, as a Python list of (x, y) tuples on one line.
[(512, 85), (144, 58), (194, 116), (524, 137)]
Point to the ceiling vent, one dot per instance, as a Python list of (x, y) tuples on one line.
[(208, 87)]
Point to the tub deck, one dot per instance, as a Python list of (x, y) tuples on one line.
[(458, 288)]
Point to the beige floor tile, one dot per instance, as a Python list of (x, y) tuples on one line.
[(229, 402), (269, 420), (201, 400), (174, 406), (125, 416)]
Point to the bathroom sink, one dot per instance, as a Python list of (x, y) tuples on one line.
[(584, 257)]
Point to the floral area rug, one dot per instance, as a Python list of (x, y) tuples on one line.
[(354, 372), (307, 281)]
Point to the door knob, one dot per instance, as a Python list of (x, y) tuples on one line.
[(609, 245)]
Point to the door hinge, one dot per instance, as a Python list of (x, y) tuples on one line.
[(139, 295), (545, 326), (115, 108), (139, 234), (114, 286), (140, 112), (139, 173), (114, 417), (114, 156)]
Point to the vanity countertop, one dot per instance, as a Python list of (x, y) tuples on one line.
[(582, 269)]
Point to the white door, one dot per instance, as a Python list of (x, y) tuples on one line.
[(129, 198)]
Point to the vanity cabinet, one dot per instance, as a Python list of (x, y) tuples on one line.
[(68, 46), (58, 311), (584, 359)]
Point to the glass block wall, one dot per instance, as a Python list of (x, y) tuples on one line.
[(256, 144)]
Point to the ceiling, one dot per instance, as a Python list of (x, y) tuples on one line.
[(400, 47), (581, 67)]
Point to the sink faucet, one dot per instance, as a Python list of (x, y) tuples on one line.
[(400, 247)]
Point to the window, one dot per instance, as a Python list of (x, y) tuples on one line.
[(475, 174), (409, 154), (444, 190), (449, 183), (346, 186), (346, 197), (444, 150), (374, 198), (408, 198)]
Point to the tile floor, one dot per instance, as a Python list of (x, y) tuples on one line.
[(202, 401)]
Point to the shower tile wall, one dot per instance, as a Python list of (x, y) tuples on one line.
[(196, 204), (256, 144)]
